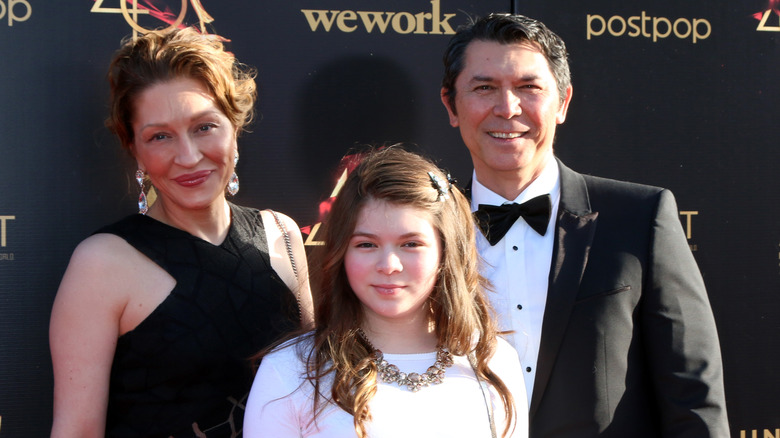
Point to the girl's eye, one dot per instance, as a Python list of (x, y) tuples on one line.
[(364, 245), (412, 244)]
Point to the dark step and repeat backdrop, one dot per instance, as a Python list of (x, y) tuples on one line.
[(677, 94)]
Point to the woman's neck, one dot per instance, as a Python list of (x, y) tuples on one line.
[(210, 224)]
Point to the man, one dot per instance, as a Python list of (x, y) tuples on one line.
[(608, 309)]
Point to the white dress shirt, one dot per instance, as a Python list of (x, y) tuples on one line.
[(518, 268)]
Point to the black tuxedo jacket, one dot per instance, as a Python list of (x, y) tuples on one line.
[(629, 345)]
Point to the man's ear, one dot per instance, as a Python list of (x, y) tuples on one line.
[(560, 116), (451, 111)]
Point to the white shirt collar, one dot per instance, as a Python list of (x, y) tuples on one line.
[(548, 182)]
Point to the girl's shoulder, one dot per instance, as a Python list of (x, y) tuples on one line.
[(505, 355), (293, 349)]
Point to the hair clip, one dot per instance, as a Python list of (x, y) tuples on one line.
[(441, 186)]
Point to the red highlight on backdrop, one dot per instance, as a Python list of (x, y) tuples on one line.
[(160, 10), (773, 10), (774, 6)]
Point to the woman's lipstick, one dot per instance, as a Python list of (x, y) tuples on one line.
[(193, 179)]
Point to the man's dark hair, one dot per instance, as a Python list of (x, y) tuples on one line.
[(506, 29)]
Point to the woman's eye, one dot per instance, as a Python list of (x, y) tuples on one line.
[(206, 127)]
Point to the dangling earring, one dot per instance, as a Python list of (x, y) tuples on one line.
[(143, 207), (232, 186)]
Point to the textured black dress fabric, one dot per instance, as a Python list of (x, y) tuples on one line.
[(184, 370)]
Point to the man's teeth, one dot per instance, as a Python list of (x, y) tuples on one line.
[(505, 134)]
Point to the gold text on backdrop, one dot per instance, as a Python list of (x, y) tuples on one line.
[(768, 433), (688, 227), (131, 15), (3, 220), (8, 7), (696, 28), (772, 13), (400, 22)]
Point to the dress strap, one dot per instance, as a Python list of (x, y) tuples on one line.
[(485, 394), (288, 245)]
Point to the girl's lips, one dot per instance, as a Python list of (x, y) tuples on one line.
[(387, 289), (193, 179)]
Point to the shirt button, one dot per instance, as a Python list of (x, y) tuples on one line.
[(514, 248), (528, 369), (519, 307)]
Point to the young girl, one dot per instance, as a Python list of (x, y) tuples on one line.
[(404, 344)]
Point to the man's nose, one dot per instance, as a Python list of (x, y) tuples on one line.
[(507, 104)]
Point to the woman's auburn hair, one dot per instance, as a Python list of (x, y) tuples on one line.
[(161, 56), (459, 308)]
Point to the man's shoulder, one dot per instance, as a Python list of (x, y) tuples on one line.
[(621, 186), (602, 186), (611, 197)]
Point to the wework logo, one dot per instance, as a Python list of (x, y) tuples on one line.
[(429, 23)]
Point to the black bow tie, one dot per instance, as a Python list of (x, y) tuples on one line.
[(495, 221)]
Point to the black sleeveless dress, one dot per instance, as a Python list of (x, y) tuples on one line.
[(184, 371)]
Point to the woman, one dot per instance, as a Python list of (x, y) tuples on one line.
[(157, 314), (404, 345)]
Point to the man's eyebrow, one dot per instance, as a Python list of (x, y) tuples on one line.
[(527, 78), (479, 78)]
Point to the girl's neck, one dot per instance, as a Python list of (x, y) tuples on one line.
[(406, 337)]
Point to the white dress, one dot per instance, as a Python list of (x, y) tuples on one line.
[(280, 403)]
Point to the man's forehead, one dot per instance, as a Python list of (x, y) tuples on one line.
[(479, 45), (478, 48)]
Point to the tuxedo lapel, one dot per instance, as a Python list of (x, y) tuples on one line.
[(574, 231)]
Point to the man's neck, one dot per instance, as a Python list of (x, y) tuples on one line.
[(509, 184)]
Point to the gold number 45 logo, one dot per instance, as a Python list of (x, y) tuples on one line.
[(131, 14)]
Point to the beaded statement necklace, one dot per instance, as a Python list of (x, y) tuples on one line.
[(389, 373)]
